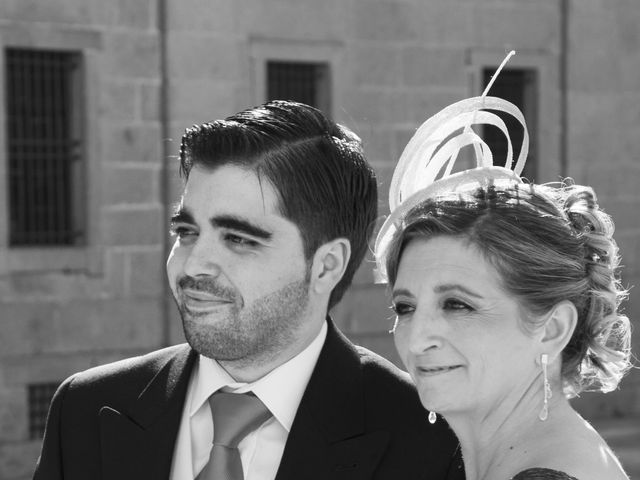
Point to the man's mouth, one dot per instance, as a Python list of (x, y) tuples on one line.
[(198, 300)]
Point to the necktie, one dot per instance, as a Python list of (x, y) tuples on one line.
[(234, 417)]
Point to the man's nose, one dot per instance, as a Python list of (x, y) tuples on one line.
[(203, 259)]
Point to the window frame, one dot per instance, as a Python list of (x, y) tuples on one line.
[(546, 124), (87, 256), (264, 50), (74, 182), (322, 86)]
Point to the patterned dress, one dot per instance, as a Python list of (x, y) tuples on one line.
[(542, 474)]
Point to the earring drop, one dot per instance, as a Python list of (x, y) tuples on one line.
[(432, 417), (544, 413)]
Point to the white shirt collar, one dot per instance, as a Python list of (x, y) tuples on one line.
[(291, 377)]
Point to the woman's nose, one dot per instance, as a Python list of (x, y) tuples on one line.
[(426, 333)]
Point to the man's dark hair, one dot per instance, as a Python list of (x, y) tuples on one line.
[(317, 167)]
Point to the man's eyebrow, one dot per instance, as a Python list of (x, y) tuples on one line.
[(241, 225), (182, 215)]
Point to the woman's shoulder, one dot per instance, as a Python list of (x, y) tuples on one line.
[(542, 474)]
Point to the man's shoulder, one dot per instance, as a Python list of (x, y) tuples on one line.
[(387, 387), (129, 371), (382, 369)]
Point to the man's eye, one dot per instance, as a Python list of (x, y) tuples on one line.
[(182, 232), (402, 308), (454, 304), (240, 241)]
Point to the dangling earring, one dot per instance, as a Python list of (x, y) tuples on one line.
[(432, 417), (544, 413)]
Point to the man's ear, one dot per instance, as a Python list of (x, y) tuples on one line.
[(329, 263), (558, 328)]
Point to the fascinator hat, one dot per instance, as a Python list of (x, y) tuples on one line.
[(435, 147)]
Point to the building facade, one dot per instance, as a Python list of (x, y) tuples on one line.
[(96, 96)]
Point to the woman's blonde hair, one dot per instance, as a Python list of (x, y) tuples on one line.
[(549, 243)]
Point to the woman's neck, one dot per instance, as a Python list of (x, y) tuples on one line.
[(497, 441)]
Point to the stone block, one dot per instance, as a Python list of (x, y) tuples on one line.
[(140, 14), (428, 67), (150, 102), (365, 309), (424, 102), (38, 286), (132, 143), (376, 65), (367, 106), (116, 272), (13, 414), (130, 185), (43, 368), (132, 226), (384, 21), (629, 245), (120, 101), (81, 326), (89, 12), (203, 15), (594, 405), (132, 55), (378, 146), (445, 23), (620, 182), (176, 333), (517, 26), (148, 274), (198, 101), (18, 460), (304, 21), (201, 55)]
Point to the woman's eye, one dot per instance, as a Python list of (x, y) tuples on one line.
[(454, 304), (402, 308)]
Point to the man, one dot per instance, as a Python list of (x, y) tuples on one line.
[(274, 220)]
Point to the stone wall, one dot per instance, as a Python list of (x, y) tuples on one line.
[(393, 64)]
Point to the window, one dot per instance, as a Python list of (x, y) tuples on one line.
[(44, 147), (303, 82), (518, 86), (40, 395)]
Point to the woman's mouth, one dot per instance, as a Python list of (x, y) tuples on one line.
[(435, 370)]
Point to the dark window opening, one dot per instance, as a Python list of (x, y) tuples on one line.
[(44, 138), (518, 86), (40, 396), (302, 82)]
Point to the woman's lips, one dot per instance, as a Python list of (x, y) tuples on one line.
[(435, 369)]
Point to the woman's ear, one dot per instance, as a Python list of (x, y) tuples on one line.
[(329, 263), (558, 328)]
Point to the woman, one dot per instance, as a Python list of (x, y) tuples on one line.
[(506, 305)]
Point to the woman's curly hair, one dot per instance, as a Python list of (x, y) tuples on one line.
[(549, 243)]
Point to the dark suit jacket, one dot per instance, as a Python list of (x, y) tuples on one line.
[(360, 418)]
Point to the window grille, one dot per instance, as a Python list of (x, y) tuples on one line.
[(519, 86), (302, 82), (40, 395), (43, 93)]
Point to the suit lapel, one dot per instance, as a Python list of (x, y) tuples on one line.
[(138, 442), (327, 438)]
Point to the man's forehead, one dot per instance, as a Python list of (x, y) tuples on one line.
[(232, 187), (231, 190)]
